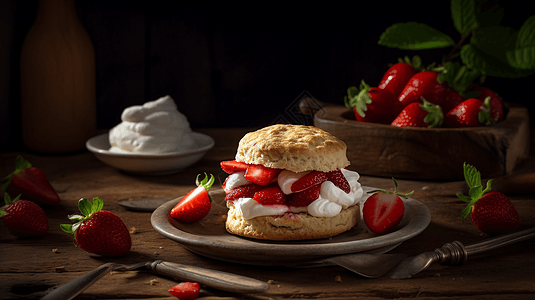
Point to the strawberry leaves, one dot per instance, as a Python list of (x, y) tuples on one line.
[(476, 191), (87, 209), (358, 98), (20, 164)]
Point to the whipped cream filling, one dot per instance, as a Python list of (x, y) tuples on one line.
[(154, 127), (330, 202)]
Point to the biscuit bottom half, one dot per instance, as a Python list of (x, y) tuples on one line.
[(290, 226)]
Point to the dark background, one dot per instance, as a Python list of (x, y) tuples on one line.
[(234, 64)]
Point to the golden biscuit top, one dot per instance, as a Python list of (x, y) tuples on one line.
[(293, 147)]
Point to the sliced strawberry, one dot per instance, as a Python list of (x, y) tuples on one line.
[(232, 166), (186, 290), (261, 175), (196, 204), (270, 195), (339, 180), (245, 191), (305, 182), (304, 198)]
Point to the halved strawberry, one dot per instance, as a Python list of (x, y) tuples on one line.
[(232, 166), (186, 290), (261, 175), (304, 198), (196, 204), (270, 195), (339, 180), (311, 179), (245, 191)]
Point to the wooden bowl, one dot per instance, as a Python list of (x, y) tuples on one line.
[(429, 153)]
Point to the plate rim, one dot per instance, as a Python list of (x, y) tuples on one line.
[(420, 219), (196, 135)]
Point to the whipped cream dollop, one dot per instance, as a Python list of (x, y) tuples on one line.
[(154, 127), (330, 202)]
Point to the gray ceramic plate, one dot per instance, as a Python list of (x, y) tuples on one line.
[(209, 238)]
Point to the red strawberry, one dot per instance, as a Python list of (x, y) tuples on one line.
[(451, 100), (98, 231), (31, 183), (491, 213), (371, 104), (312, 178), (384, 210), (417, 114), (396, 77), (245, 191), (304, 198), (196, 204), (232, 166), (496, 102), (423, 84), (339, 180), (23, 218), (469, 113), (270, 195), (186, 290), (261, 175)]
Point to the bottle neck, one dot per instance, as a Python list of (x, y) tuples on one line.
[(57, 12)]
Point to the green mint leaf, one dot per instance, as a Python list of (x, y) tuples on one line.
[(490, 65), (526, 34), (523, 56), (490, 13), (414, 36), (464, 15)]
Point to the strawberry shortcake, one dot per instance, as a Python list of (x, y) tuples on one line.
[(290, 182)]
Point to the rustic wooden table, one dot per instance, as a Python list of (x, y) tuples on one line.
[(31, 268)]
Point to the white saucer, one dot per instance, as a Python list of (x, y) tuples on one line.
[(149, 164)]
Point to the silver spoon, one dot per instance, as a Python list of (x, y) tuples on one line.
[(217, 279), (456, 253)]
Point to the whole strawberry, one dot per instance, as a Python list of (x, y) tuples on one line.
[(451, 100), (196, 204), (423, 84), (384, 210), (31, 183), (470, 113), (23, 218), (98, 231), (417, 114), (397, 76), (186, 290), (372, 104), (492, 213), (495, 102)]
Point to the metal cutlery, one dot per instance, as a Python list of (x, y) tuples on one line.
[(456, 253), (216, 279), (364, 264)]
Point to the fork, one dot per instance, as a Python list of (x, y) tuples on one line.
[(217, 279), (456, 253)]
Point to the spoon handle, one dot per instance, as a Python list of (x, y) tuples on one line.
[(217, 279), (501, 241)]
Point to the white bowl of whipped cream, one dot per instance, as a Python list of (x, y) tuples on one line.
[(152, 139)]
